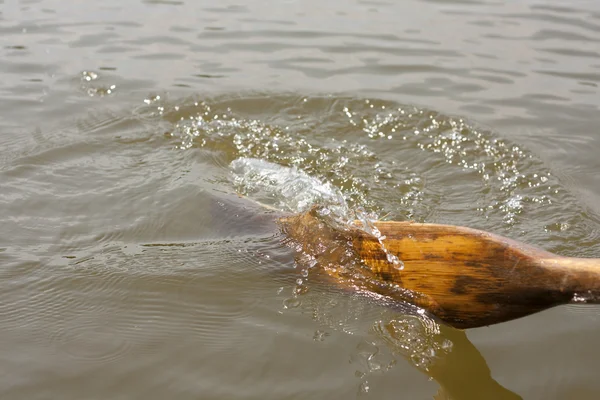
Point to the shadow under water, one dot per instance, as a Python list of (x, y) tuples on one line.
[(460, 370)]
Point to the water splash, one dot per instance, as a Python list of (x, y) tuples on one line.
[(367, 224), (291, 189), (584, 298), (503, 167), (415, 163), (368, 150), (416, 336), (419, 340), (94, 86)]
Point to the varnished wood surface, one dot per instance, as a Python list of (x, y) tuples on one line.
[(465, 277)]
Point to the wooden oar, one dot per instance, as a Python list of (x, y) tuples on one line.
[(465, 277)]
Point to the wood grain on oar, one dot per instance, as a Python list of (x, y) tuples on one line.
[(465, 277)]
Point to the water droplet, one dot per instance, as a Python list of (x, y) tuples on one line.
[(320, 335), (373, 365), (363, 388), (292, 302), (390, 365), (300, 289), (89, 76), (584, 297), (447, 345), (578, 298)]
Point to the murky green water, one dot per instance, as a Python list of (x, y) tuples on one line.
[(131, 268)]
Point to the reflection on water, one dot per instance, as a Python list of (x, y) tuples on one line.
[(460, 370)]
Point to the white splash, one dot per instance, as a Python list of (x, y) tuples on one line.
[(290, 189), (584, 298)]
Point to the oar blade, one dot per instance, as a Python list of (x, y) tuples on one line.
[(472, 278), (465, 277)]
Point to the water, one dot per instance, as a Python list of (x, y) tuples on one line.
[(290, 189), (132, 268)]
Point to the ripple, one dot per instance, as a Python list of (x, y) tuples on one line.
[(49, 297), (91, 338), (100, 308), (587, 312)]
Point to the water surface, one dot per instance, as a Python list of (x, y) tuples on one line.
[(132, 268)]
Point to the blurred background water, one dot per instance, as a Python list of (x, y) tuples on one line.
[(130, 267)]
